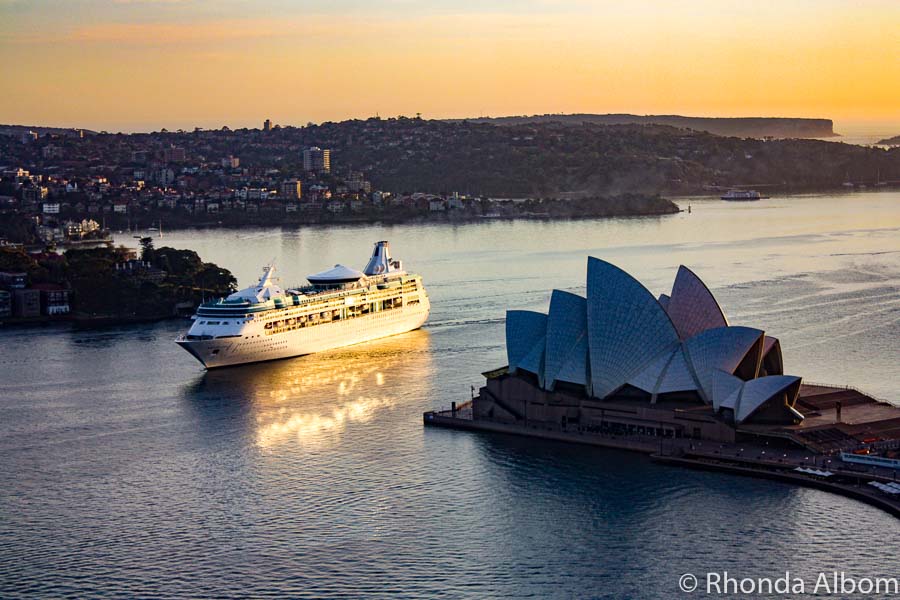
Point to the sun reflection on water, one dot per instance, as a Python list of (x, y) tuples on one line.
[(311, 400)]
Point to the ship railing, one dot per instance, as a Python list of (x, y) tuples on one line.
[(312, 290)]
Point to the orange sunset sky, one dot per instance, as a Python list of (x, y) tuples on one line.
[(145, 64)]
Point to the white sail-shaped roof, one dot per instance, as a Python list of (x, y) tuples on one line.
[(627, 327), (724, 385), (575, 368), (622, 335), (772, 356), (678, 376), (722, 348), (525, 329), (533, 361), (692, 307), (648, 379), (566, 350), (757, 392), (664, 301)]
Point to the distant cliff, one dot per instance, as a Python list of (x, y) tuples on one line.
[(41, 130), (891, 141), (755, 127)]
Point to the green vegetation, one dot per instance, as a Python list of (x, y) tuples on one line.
[(757, 127), (109, 283), (18, 228), (552, 159)]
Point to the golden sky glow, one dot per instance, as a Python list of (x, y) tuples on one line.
[(144, 64)]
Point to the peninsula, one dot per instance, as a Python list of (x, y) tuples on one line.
[(105, 284), (754, 127)]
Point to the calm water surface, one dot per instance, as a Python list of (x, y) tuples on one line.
[(127, 471)]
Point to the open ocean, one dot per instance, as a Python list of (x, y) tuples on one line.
[(127, 471)]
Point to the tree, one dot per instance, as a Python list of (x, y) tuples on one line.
[(147, 251)]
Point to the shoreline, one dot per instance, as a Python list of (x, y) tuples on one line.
[(444, 219), (391, 222), (80, 322)]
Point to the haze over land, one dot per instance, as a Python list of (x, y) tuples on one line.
[(141, 65)]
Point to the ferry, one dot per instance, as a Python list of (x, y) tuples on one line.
[(743, 195), (340, 306)]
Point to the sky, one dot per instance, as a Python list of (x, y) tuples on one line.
[(138, 65)]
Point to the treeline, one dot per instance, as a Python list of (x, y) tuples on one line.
[(101, 288)]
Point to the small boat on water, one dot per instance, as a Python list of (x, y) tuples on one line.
[(743, 195)]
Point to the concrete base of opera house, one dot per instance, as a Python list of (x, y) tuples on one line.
[(693, 436)]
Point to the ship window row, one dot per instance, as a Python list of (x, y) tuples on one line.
[(329, 316), (366, 307)]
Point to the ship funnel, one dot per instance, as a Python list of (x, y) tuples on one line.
[(381, 263)]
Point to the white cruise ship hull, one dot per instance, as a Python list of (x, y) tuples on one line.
[(249, 348)]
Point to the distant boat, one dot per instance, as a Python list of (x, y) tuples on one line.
[(743, 195)]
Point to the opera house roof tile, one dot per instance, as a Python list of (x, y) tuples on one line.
[(566, 345), (627, 327), (691, 306), (525, 329)]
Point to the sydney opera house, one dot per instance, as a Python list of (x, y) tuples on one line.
[(622, 360)]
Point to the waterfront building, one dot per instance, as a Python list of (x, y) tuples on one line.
[(317, 160), (54, 299), (291, 189), (621, 362), (669, 376), (621, 359)]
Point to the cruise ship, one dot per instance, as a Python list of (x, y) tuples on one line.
[(339, 307)]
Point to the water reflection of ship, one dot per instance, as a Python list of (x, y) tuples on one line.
[(312, 399)]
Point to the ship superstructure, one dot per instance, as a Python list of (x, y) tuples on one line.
[(339, 307), (743, 195)]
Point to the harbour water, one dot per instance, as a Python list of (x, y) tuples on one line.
[(126, 470)]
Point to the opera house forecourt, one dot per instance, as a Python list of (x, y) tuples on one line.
[(670, 376)]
